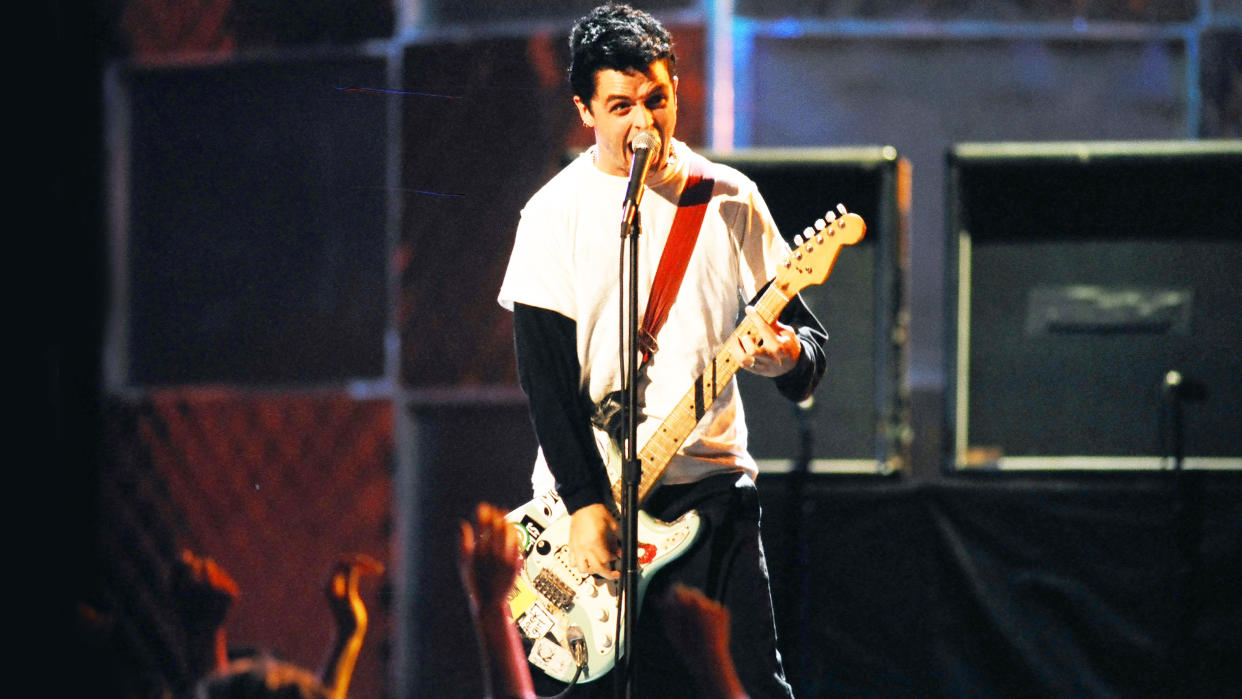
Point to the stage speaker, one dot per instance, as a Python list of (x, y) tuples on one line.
[(249, 221), (561, 12), (455, 448), (1094, 305), (857, 420)]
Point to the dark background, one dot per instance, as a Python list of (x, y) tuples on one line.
[(272, 334)]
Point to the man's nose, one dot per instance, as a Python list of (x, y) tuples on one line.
[(643, 118)]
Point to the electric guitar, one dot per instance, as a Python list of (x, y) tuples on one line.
[(560, 610)]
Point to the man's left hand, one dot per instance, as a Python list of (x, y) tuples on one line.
[(773, 350)]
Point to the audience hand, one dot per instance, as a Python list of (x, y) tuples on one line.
[(203, 594), (698, 628), (342, 590), (490, 557), (351, 620)]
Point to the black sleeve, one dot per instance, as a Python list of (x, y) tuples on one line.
[(798, 383), (548, 371)]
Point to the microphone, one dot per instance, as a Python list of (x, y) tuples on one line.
[(645, 146)]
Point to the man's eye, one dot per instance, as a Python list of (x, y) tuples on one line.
[(620, 107)]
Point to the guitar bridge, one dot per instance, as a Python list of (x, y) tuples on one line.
[(554, 590)]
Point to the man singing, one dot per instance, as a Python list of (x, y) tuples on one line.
[(562, 286)]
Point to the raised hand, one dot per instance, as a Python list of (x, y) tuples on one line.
[(490, 557), (698, 628), (350, 614), (203, 594)]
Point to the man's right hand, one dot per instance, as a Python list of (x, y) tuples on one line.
[(593, 545)]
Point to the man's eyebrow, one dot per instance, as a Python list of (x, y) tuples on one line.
[(659, 90)]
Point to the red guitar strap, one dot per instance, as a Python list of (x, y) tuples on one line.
[(691, 208)]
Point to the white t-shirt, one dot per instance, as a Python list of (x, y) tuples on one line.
[(565, 259)]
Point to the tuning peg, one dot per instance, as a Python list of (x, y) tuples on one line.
[(841, 208), (798, 239), (830, 216), (820, 224)]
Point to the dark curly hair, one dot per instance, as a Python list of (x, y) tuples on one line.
[(619, 37)]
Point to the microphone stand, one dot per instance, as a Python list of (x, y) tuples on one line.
[(1188, 517), (631, 468), (631, 476), (1173, 393)]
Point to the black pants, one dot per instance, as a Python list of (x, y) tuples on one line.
[(727, 564)]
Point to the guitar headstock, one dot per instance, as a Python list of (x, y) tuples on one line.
[(811, 261)]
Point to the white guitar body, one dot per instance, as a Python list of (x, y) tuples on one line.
[(549, 595)]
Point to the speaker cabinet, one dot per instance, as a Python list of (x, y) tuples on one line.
[(1094, 306), (857, 420), (249, 222)]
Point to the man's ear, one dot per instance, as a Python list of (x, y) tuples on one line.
[(584, 111)]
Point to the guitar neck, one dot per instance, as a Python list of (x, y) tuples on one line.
[(672, 433)]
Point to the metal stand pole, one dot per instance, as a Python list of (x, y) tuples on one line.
[(631, 476)]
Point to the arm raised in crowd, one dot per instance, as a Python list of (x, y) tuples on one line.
[(490, 558), (350, 615)]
